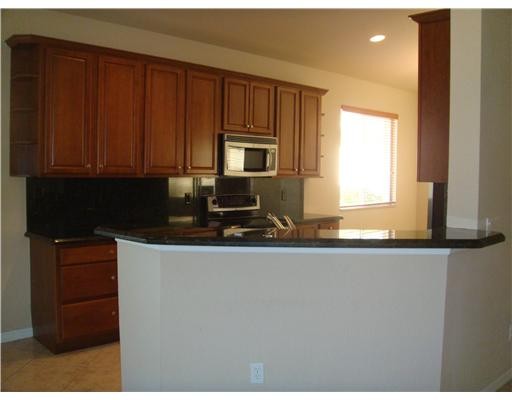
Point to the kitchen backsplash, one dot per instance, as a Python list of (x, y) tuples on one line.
[(62, 206)]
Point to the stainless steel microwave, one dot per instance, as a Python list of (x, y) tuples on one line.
[(245, 155)]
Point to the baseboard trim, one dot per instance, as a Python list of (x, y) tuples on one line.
[(499, 382), (11, 336)]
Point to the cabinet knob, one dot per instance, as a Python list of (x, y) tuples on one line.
[(330, 227), (296, 170), (114, 313), (302, 170), (100, 165), (252, 126), (88, 166), (247, 126), (111, 251), (113, 278), (189, 167), (180, 167)]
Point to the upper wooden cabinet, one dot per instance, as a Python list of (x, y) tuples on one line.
[(164, 120), (202, 122), (85, 111), (68, 129), (120, 97), (298, 115), (433, 95), (288, 130), (310, 117), (248, 106)]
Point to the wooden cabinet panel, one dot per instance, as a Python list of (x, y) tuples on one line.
[(310, 134), (66, 311), (288, 130), (329, 225), (236, 105), (433, 95), (119, 116), (89, 318), (68, 111), (261, 108), (88, 280), (248, 106), (202, 122), (164, 120), (87, 254)]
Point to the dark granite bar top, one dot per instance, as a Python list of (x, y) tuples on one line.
[(309, 237), (177, 226)]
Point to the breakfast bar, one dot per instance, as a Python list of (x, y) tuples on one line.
[(319, 309)]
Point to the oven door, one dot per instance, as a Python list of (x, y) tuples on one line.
[(250, 159)]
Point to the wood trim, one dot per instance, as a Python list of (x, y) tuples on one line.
[(369, 112), (431, 16), (17, 40)]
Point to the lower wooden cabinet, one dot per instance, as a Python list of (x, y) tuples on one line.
[(74, 293)]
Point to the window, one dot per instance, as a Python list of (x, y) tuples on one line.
[(367, 158)]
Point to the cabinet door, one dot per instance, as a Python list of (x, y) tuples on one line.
[(236, 105), (433, 96), (310, 134), (68, 111), (164, 120), (202, 122), (261, 108), (287, 130), (120, 94)]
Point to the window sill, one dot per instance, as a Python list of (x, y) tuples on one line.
[(364, 207)]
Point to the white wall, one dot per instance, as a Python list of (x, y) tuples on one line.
[(480, 187), (318, 319), (321, 195)]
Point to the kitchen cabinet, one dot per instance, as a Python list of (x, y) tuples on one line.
[(288, 130), (120, 97), (310, 116), (298, 115), (329, 225), (74, 112), (68, 130), (74, 293), (85, 111), (202, 122), (433, 95), (248, 106), (164, 128)]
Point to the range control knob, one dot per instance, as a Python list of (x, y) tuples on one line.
[(253, 200), (214, 201)]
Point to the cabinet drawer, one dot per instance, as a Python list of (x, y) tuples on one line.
[(329, 225), (89, 318), (87, 254), (88, 280)]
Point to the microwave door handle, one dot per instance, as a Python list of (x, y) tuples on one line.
[(268, 160)]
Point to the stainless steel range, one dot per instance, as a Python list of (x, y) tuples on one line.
[(238, 211)]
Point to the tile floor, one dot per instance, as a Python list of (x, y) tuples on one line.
[(27, 366)]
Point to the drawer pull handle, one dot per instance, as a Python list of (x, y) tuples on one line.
[(113, 278), (114, 313)]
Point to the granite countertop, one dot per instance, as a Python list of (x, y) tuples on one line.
[(343, 238), (186, 225)]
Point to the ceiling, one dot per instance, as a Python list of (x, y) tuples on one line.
[(334, 40)]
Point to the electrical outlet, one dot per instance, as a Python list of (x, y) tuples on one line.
[(257, 373), (510, 332)]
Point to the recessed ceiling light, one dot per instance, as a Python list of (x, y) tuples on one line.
[(377, 38)]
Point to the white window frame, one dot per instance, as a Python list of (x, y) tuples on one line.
[(393, 123)]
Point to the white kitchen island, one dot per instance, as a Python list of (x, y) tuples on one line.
[(193, 318)]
